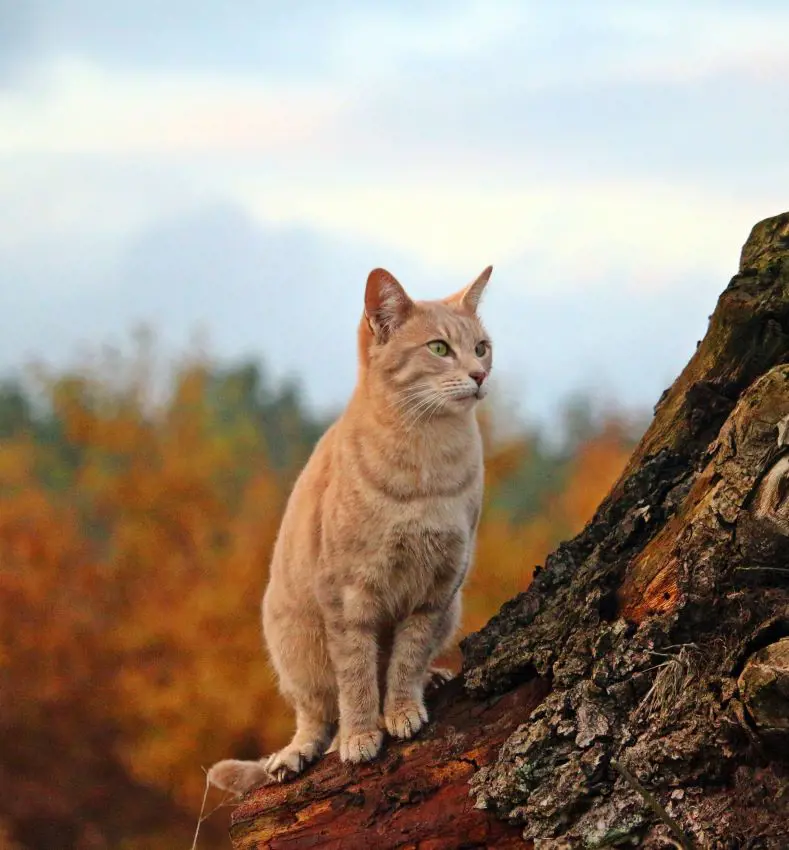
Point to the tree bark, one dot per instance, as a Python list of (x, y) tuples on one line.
[(638, 691)]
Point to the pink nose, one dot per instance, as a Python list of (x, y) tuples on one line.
[(478, 377)]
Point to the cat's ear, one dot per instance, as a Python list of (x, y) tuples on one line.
[(470, 297), (386, 304)]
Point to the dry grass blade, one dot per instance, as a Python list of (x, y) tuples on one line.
[(672, 678), (202, 810), (202, 817)]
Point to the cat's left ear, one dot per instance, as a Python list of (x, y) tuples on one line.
[(472, 294), (386, 304)]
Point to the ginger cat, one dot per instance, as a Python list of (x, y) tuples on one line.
[(378, 534)]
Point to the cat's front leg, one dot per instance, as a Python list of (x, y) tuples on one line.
[(353, 647), (414, 645)]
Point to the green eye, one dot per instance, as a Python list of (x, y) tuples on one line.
[(482, 349), (439, 347)]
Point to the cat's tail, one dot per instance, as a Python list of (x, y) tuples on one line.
[(238, 777)]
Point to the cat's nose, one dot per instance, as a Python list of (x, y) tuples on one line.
[(478, 377)]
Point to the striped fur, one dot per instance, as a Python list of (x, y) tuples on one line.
[(378, 535)]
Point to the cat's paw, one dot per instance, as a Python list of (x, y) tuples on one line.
[(291, 761), (437, 676), (363, 747), (404, 721)]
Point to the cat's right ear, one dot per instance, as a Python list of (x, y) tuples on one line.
[(386, 304)]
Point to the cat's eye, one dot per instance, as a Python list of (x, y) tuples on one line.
[(439, 347), (482, 349)]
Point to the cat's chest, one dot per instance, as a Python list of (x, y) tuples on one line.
[(413, 544), (420, 564)]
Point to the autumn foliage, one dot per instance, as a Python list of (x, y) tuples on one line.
[(135, 528)]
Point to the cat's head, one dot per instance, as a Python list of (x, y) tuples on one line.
[(430, 358)]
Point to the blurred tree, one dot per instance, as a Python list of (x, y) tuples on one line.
[(15, 411), (135, 531)]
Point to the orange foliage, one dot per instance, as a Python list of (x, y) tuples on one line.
[(596, 466), (131, 593)]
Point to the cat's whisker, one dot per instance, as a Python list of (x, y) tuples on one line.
[(425, 410), (416, 415), (438, 406), (412, 390), (411, 401), (406, 398), (417, 398), (412, 419), (412, 413)]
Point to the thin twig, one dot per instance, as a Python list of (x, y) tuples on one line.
[(653, 804), (202, 809), (769, 569), (204, 817)]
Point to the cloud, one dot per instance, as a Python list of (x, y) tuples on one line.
[(79, 108), (16, 39), (290, 295), (320, 37), (147, 34), (293, 295), (83, 208), (673, 93), (619, 345), (571, 235), (302, 41), (238, 165)]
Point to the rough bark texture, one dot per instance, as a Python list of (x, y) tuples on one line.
[(655, 643)]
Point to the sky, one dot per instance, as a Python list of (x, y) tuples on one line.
[(237, 168)]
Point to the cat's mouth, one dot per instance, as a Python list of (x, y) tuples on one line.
[(471, 396)]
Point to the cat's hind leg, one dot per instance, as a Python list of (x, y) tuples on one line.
[(296, 641), (436, 677), (446, 629), (316, 722), (314, 730)]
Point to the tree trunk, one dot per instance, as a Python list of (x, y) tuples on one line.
[(638, 691)]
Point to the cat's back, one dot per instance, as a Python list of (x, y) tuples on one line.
[(299, 539)]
